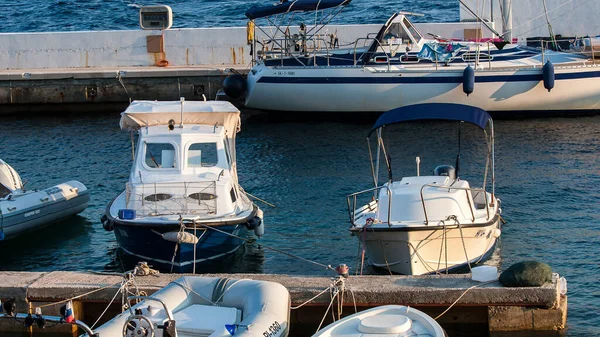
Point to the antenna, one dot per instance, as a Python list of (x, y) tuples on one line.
[(182, 99), (418, 160), (458, 155)]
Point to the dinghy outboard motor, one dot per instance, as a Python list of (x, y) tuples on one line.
[(234, 85), (445, 170)]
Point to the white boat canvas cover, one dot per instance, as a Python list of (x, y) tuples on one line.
[(150, 113)]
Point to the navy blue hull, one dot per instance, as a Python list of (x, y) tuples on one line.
[(145, 243)]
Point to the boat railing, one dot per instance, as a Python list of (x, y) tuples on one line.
[(150, 199), (41, 320), (379, 45), (469, 200), (305, 49), (584, 46), (351, 201)]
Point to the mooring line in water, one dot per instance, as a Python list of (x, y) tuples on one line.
[(327, 267), (259, 199)]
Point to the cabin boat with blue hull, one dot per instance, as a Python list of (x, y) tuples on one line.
[(182, 205), (400, 66), (427, 224)]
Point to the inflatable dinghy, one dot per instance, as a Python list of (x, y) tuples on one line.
[(22, 211), (194, 306), (388, 320)]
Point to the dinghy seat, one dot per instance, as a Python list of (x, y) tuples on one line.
[(204, 320)]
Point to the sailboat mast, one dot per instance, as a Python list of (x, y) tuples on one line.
[(507, 20), (479, 18)]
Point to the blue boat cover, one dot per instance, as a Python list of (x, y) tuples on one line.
[(437, 52), (285, 6), (439, 111)]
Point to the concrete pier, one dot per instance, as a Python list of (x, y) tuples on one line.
[(92, 89), (489, 307), (104, 70)]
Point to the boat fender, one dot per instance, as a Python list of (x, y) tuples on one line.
[(234, 85), (106, 223), (497, 233), (548, 75), (468, 80), (256, 224), (180, 237)]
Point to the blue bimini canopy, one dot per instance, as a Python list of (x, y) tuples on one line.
[(285, 6), (428, 111)]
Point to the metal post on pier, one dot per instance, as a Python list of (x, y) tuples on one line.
[(592, 46)]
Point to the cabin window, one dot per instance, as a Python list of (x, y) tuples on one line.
[(232, 194), (227, 152), (160, 155), (202, 155), (4, 191), (413, 31)]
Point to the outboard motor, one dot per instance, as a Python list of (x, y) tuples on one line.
[(445, 170), (234, 85)]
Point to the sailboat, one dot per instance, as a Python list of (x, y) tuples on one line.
[(302, 69)]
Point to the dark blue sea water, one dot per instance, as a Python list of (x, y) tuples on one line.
[(547, 176), (74, 15)]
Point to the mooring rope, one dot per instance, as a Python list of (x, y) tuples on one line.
[(327, 267), (461, 296)]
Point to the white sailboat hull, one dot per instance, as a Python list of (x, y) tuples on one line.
[(377, 89)]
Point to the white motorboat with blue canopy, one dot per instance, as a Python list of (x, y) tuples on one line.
[(428, 224), (24, 210), (183, 205), (304, 69)]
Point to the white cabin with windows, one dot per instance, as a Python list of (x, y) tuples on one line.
[(184, 162)]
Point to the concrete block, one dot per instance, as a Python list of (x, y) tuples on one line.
[(505, 318), (15, 285)]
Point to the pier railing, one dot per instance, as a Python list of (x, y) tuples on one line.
[(172, 198)]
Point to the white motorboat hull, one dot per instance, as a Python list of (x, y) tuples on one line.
[(426, 249), (388, 320), (203, 306), (377, 89), (26, 211)]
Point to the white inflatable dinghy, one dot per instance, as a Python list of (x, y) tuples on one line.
[(388, 320), (206, 306), (22, 211)]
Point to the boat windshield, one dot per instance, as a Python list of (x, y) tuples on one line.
[(160, 155), (398, 34), (202, 155), (4, 191)]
